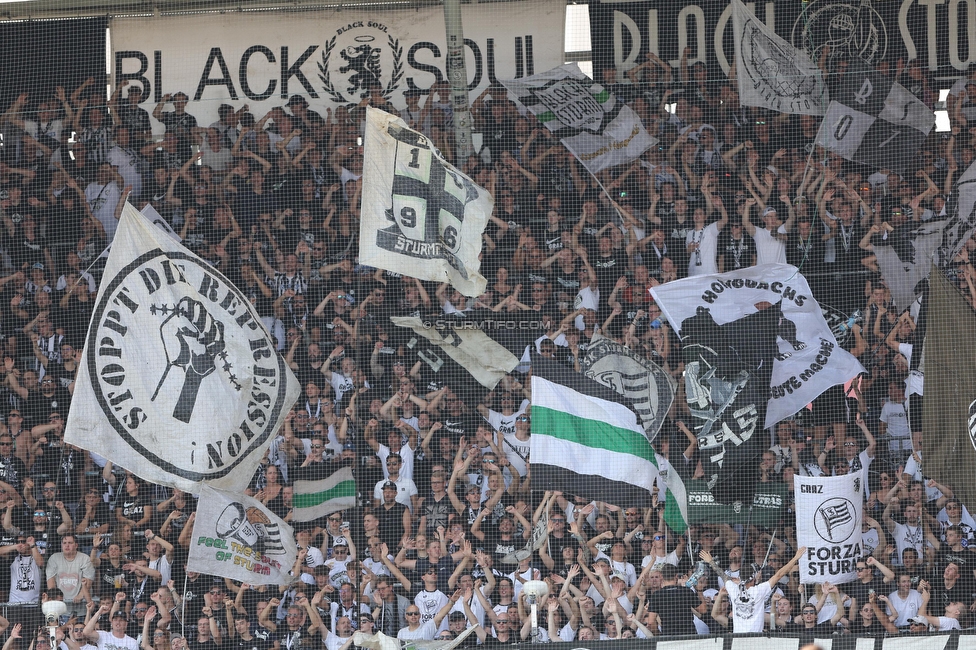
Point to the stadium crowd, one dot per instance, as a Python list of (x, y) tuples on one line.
[(444, 476)]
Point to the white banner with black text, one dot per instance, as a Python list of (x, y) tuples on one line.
[(828, 523)]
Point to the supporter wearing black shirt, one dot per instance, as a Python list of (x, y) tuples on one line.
[(672, 604), (868, 581), (394, 517), (243, 636), (12, 469), (953, 586), (736, 251), (50, 399), (871, 621)]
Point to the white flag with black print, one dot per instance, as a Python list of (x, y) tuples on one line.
[(588, 119), (181, 383), (236, 537), (875, 121), (828, 523), (771, 72), (420, 216), (808, 362)]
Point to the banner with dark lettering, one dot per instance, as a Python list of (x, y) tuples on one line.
[(331, 56), (942, 36), (237, 537), (180, 382), (828, 523), (585, 115), (768, 503), (809, 360)]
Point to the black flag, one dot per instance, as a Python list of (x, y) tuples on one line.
[(727, 377)]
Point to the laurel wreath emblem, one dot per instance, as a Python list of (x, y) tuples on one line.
[(325, 75)]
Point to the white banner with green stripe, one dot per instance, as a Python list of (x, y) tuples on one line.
[(589, 120), (314, 499), (586, 439)]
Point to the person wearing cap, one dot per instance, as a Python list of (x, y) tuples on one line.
[(771, 238), (406, 489), (395, 518), (116, 639)]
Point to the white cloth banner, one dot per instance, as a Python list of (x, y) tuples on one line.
[(828, 523), (328, 55), (485, 359), (588, 119), (420, 216), (180, 383), (771, 72), (236, 537), (810, 360), (157, 220)]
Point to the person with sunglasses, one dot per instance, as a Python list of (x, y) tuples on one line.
[(658, 555), (425, 631), (872, 577)]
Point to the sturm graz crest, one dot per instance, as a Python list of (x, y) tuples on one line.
[(361, 56), (175, 346)]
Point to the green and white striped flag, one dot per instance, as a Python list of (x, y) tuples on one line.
[(589, 120), (314, 499), (587, 440)]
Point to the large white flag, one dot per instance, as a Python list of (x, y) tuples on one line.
[(180, 383), (420, 215), (809, 362), (771, 72), (236, 537), (828, 523), (589, 120)]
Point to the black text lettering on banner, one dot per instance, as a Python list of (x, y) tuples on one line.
[(828, 523), (622, 33)]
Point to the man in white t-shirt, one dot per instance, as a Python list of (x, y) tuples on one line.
[(117, 639), (702, 243), (910, 534), (748, 599), (905, 603), (415, 631), (771, 238), (504, 420)]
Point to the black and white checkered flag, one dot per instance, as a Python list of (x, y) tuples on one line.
[(874, 120)]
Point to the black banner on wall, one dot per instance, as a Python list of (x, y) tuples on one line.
[(939, 33), (39, 56)]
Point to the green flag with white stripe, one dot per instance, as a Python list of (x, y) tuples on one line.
[(314, 499), (587, 440)]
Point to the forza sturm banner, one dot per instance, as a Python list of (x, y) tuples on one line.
[(329, 56)]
